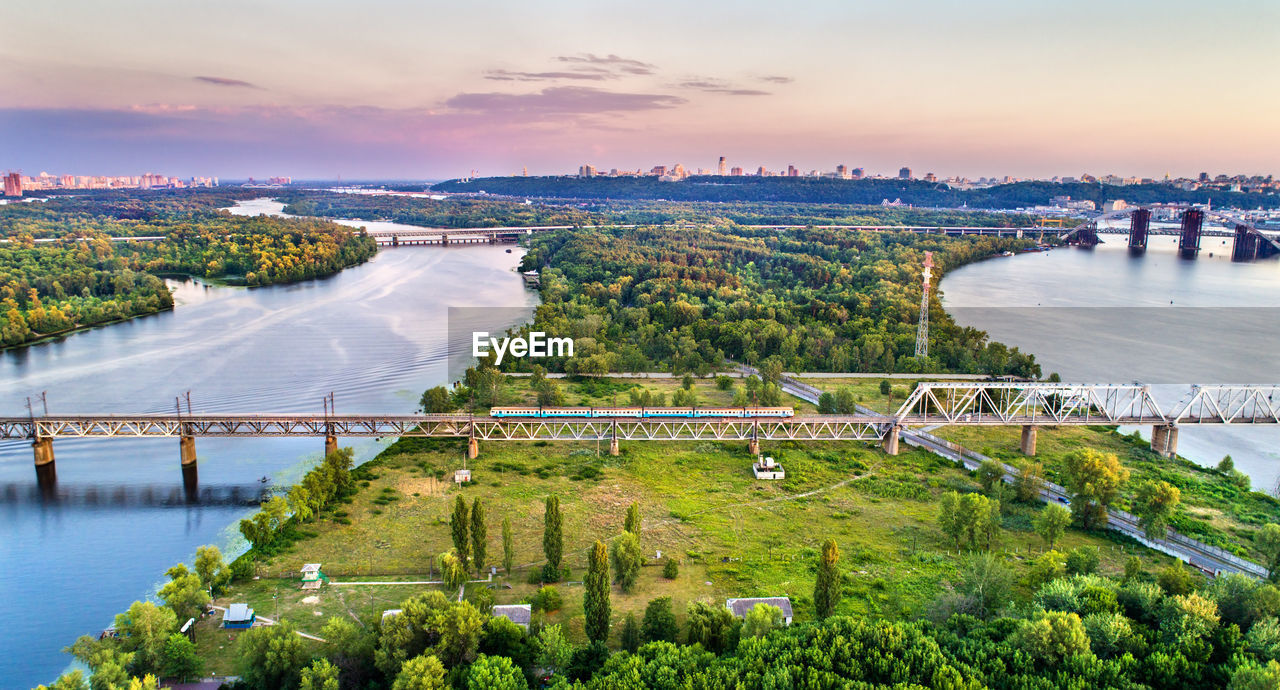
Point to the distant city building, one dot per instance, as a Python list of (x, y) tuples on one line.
[(904, 173), (856, 173), (735, 171), (524, 171), (658, 170), (13, 184), (1204, 177), (762, 171), (792, 171), (720, 169), (1114, 205), (586, 170), (930, 177)]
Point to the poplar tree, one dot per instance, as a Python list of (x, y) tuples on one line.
[(458, 525), (826, 590), (595, 601), (479, 536), (553, 538), (632, 524), (508, 546)]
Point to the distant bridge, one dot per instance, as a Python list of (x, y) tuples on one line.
[(1029, 405), (1251, 242)]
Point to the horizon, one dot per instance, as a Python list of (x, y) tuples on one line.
[(988, 90)]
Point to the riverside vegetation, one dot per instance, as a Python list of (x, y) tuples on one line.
[(82, 278)]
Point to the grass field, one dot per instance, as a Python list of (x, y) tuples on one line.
[(733, 535), (611, 392)]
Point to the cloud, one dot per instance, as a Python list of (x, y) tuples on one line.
[(563, 99), (589, 74), (626, 65), (718, 86), (777, 79), (223, 81)]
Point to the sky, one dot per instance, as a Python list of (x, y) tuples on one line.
[(428, 90)]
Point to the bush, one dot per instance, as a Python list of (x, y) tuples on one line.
[(547, 599), (671, 570), (724, 383), (1176, 579), (1083, 561)]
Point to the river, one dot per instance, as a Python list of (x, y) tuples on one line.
[(375, 335), (1102, 315)]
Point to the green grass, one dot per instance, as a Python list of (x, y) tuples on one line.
[(733, 535), (1213, 509), (608, 392)]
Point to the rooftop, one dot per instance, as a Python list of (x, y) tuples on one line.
[(519, 614), (238, 612), (740, 607)]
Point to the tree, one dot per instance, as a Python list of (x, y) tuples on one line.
[(711, 626), (552, 538), (179, 658), (479, 536), (627, 560), (632, 523), (629, 640), (885, 387), (320, 675), (554, 650), (986, 582), (421, 673), (1155, 505), (990, 473), (436, 401), (1047, 567), (495, 673), (452, 572), (1226, 465), (460, 627), (508, 546), (949, 516), (595, 602), (144, 630), (827, 588), (1029, 482), (587, 660), (73, 680), (212, 569), (459, 526), (659, 622), (1176, 579), (184, 593), (761, 619), (1094, 480), (1267, 541), (108, 664), (1083, 560), (846, 402), (1053, 638), (1187, 617), (270, 657), (826, 403), (1051, 523)]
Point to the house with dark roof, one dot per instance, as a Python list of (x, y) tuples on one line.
[(740, 607), (520, 614)]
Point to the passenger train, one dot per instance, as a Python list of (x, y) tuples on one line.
[(641, 412)]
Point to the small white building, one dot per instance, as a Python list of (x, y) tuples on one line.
[(740, 607), (520, 614), (460, 476), (766, 468)]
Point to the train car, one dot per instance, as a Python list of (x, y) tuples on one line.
[(515, 412), (720, 412), (611, 412), (769, 412), (666, 412)]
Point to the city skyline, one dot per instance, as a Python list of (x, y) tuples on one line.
[(987, 89)]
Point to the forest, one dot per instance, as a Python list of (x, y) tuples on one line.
[(685, 300), (446, 213), (865, 191), (83, 278)]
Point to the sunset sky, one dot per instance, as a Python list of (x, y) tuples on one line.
[(417, 89)]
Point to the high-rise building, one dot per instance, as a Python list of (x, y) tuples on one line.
[(1204, 177), (792, 171), (13, 184), (856, 173), (842, 171), (762, 171), (658, 170), (735, 171), (586, 170), (720, 169), (904, 173), (930, 177)]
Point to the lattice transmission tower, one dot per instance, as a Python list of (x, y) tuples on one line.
[(922, 333)]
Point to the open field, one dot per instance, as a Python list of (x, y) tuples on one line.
[(1214, 510), (611, 392), (733, 535)]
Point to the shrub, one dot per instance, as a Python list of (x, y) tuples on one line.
[(671, 569), (547, 599), (1083, 560)]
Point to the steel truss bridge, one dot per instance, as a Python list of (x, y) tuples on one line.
[(1251, 242)]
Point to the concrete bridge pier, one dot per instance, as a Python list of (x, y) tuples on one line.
[(1164, 440), (613, 446), (190, 473), (890, 441), (1028, 444), (473, 448), (753, 446), (330, 445), (46, 471)]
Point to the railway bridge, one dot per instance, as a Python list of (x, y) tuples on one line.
[(1029, 405)]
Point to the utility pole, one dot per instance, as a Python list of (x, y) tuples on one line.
[(922, 333)]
